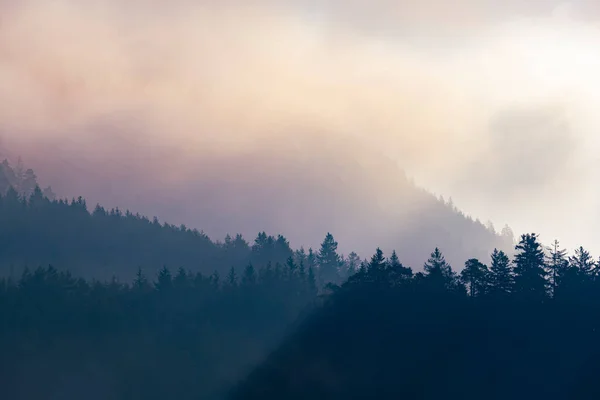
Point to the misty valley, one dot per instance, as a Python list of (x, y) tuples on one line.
[(99, 303)]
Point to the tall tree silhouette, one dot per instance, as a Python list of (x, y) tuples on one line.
[(530, 273), (583, 262), (397, 273), (557, 264), (329, 260), (377, 267), (501, 274), (475, 276), (439, 273)]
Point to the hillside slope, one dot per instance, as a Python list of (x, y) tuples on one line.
[(303, 190), (423, 337)]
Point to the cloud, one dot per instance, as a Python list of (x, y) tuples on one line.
[(145, 98)]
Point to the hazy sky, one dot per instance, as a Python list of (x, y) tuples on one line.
[(490, 102)]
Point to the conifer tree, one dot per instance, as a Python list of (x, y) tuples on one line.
[(398, 272), (438, 272), (557, 264), (475, 276), (377, 266), (530, 273), (328, 260), (583, 262), (501, 274)]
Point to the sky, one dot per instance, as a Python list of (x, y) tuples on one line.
[(152, 105)]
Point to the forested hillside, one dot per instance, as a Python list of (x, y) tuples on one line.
[(526, 328), (177, 335), (301, 188), (37, 230), (517, 327)]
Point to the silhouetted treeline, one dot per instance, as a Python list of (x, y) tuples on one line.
[(103, 243), (177, 335), (520, 328)]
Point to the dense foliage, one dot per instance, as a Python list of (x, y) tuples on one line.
[(98, 242), (196, 316), (38, 231), (526, 329), (183, 336)]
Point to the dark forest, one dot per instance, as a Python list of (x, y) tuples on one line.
[(87, 310)]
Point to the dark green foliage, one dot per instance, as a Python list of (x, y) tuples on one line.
[(417, 341), (398, 272), (439, 273), (377, 266), (37, 231), (530, 273), (181, 338), (328, 260), (476, 277), (583, 262), (501, 275), (557, 265)]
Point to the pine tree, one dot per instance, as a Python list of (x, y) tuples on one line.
[(501, 274), (475, 276), (530, 273), (583, 262), (328, 260), (300, 256), (352, 264), (376, 268), (438, 272), (396, 271), (557, 264)]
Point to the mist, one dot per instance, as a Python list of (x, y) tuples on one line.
[(217, 114)]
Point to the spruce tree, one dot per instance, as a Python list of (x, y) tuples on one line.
[(583, 262), (475, 276), (557, 264), (328, 260), (397, 272), (501, 274), (530, 272), (377, 266), (438, 272), (352, 264)]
